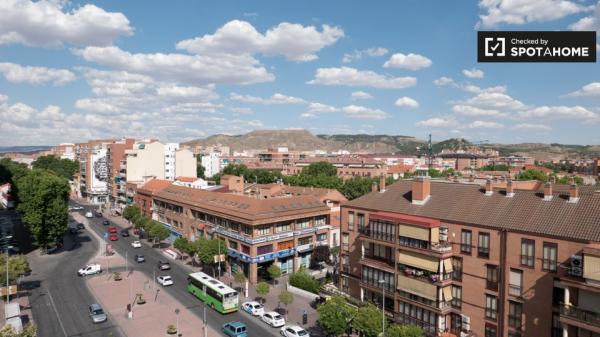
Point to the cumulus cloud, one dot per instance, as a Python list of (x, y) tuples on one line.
[(443, 81), (352, 77), (495, 100), (529, 126), (178, 92), (294, 41), (316, 107), (497, 12), (591, 22), (473, 73), (241, 110), (276, 98), (557, 112), (361, 112), (46, 23), (437, 122), (406, 102), (472, 111), (484, 125), (588, 90), (358, 54), (360, 95), (17, 73), (410, 61)]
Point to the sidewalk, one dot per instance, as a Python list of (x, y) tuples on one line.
[(149, 319)]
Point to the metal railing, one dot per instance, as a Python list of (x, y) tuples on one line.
[(586, 316)]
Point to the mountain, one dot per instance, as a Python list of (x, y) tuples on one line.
[(24, 149)]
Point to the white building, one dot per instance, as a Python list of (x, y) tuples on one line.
[(159, 161), (170, 149), (211, 163)]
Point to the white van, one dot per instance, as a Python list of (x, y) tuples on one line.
[(89, 214), (90, 269)]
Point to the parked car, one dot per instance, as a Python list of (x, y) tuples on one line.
[(124, 232), (89, 214), (294, 331), (140, 258), (165, 280), (80, 226), (105, 223), (235, 329), (163, 265), (113, 237), (73, 231), (112, 229), (136, 244), (273, 318), (97, 314), (98, 214), (90, 269), (253, 308)]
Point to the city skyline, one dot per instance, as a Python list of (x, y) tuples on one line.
[(184, 71)]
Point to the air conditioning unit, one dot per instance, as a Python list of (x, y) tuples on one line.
[(443, 237), (576, 266)]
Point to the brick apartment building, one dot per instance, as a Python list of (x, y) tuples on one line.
[(347, 167), (468, 260)]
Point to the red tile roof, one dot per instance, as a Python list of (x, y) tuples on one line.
[(155, 185)]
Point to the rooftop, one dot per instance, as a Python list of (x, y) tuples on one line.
[(155, 185)]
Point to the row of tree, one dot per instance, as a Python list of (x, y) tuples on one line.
[(152, 228), (336, 317), (543, 177)]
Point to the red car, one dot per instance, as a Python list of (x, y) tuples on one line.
[(113, 237), (112, 229)]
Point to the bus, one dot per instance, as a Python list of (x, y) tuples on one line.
[(213, 292)]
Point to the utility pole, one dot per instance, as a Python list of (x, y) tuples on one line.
[(429, 153), (204, 327), (7, 292)]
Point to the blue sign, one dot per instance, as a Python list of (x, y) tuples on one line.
[(105, 235), (261, 258)]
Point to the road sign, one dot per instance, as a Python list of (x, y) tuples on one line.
[(105, 235)]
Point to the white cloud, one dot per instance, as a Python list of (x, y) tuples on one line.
[(294, 41), (277, 98), (315, 108), (241, 111), (557, 112), (352, 77), (497, 12), (472, 111), (437, 122), (495, 100), (443, 81), (588, 23), (308, 115), (361, 112), (360, 95), (485, 125), (588, 90), (45, 23), (192, 107), (406, 102), (528, 126), (358, 54), (178, 92), (410, 61), (17, 73), (180, 68), (473, 73)]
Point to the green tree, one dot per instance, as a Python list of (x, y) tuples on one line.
[(239, 277), (30, 330), (207, 249), (398, 330), (357, 187), (182, 244), (368, 321), (65, 168), (44, 199), (158, 231), (567, 180), (17, 266), (11, 172), (274, 272), (130, 212), (497, 167), (286, 298), (199, 168), (262, 288), (303, 280), (320, 254), (335, 315), (533, 175), (320, 168)]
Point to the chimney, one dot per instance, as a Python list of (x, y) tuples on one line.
[(471, 178), (548, 191), (381, 183), (510, 189), (421, 190), (374, 187), (489, 190), (573, 193)]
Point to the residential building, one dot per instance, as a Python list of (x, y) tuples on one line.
[(154, 159), (211, 163), (347, 166), (64, 151), (116, 166), (143, 194), (191, 182), (470, 261)]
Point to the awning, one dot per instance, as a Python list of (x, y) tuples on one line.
[(415, 232), (448, 266), (417, 287), (447, 294), (591, 267), (419, 261)]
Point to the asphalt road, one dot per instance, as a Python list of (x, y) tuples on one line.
[(58, 297), (179, 289)]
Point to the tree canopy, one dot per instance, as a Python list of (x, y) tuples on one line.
[(30, 330), (17, 266), (131, 212), (320, 168), (533, 175), (398, 330), (335, 315), (260, 176), (65, 168), (368, 321)]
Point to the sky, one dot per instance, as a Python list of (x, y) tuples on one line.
[(181, 70)]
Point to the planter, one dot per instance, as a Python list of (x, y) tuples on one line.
[(140, 299), (117, 276), (171, 330)]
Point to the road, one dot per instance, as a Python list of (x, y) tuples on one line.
[(58, 297), (179, 290)]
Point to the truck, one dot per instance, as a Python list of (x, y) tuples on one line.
[(90, 269)]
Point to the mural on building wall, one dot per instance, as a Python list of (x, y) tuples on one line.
[(99, 171)]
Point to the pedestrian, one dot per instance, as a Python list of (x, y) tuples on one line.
[(230, 284)]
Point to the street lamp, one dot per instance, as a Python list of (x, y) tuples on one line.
[(177, 315), (382, 282)]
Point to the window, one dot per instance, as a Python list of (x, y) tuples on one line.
[(351, 221), (372, 277), (305, 241), (245, 249), (550, 256), (491, 307), (361, 221), (233, 245), (457, 268), (264, 230), (456, 323), (381, 230), (491, 330), (483, 247), (321, 237), (345, 237), (247, 229), (285, 245), (465, 242), (284, 227), (264, 249), (345, 284), (301, 224), (515, 282), (558, 296), (527, 252), (515, 311), (491, 280), (456, 296)]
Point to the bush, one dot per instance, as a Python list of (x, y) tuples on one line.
[(303, 280)]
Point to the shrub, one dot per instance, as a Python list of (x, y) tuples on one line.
[(303, 280)]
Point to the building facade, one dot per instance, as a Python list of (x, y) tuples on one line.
[(153, 159), (469, 261), (211, 163)]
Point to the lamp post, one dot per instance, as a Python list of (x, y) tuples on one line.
[(382, 307), (177, 315)]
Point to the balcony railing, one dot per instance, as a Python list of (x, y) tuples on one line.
[(581, 315), (383, 236), (389, 262), (428, 328)]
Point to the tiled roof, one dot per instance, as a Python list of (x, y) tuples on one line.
[(468, 204), (156, 184), (186, 179)]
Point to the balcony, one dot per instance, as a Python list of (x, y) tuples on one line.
[(381, 236), (304, 248), (378, 262), (579, 317), (424, 275)]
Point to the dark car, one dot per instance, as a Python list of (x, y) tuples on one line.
[(80, 226), (124, 232), (73, 231), (105, 223), (163, 265), (98, 214), (139, 258)]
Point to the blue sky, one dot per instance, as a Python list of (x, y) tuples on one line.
[(180, 70)]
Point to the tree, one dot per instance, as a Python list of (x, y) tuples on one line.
[(17, 266), (368, 321), (207, 249), (44, 199), (303, 280), (262, 288), (239, 277), (65, 168), (274, 272), (533, 175), (398, 330), (131, 212), (30, 330), (319, 254), (199, 168), (335, 315), (158, 231), (320, 168), (182, 244), (286, 298)]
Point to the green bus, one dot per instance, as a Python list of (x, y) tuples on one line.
[(213, 292)]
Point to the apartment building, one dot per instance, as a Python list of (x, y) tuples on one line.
[(116, 166), (258, 232), (347, 167), (64, 151), (93, 170), (211, 163), (154, 159), (465, 260)]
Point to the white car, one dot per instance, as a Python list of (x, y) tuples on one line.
[(89, 214), (136, 244), (253, 308), (75, 208), (165, 280), (273, 318), (90, 269), (293, 331)]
